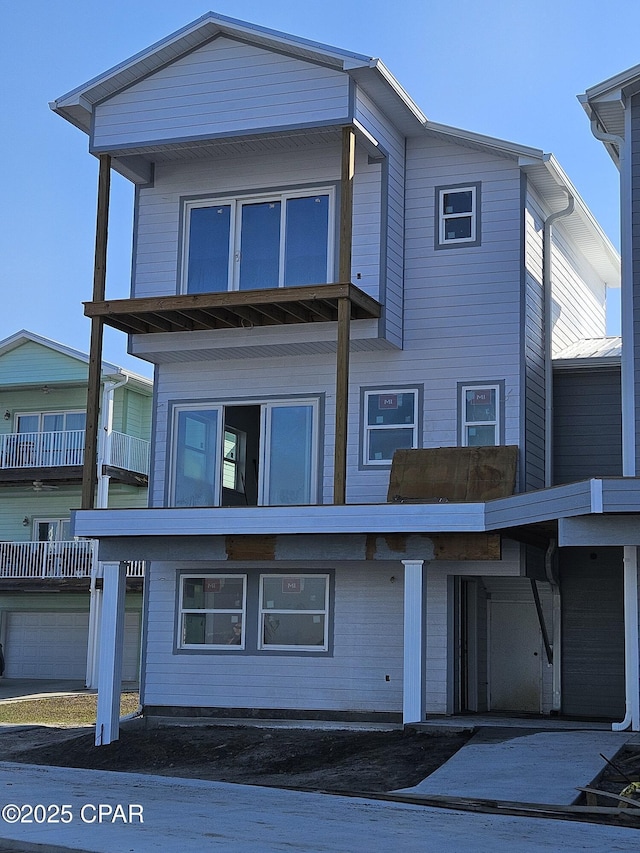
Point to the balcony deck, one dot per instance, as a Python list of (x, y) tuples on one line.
[(59, 456), (54, 560), (234, 309)]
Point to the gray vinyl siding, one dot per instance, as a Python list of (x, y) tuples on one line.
[(591, 584), (462, 306), (533, 345), (367, 646), (587, 424), (393, 196), (635, 260), (579, 296), (223, 88)]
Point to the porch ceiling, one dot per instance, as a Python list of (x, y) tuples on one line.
[(234, 309)]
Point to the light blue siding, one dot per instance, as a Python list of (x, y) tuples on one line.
[(223, 88), (31, 362)]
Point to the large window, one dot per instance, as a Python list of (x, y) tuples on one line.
[(458, 217), (212, 611), (390, 423), (480, 415), (254, 613), (245, 454), (293, 612), (276, 240)]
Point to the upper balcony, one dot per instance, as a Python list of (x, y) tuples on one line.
[(59, 456)]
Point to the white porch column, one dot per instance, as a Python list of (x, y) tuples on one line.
[(110, 654), (414, 673), (95, 618)]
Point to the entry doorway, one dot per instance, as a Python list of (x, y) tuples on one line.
[(515, 657)]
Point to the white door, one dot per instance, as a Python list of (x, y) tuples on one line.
[(515, 656)]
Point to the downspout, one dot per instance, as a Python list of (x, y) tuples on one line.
[(631, 639), (548, 329)]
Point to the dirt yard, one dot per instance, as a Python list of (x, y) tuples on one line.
[(335, 760)]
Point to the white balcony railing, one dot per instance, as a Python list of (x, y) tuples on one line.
[(128, 453), (54, 560), (66, 447)]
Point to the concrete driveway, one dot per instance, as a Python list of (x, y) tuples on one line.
[(159, 814)]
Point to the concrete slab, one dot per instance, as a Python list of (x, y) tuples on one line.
[(192, 816), (524, 765)]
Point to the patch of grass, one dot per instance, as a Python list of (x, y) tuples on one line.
[(75, 710)]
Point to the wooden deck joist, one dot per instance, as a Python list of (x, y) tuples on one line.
[(233, 309)]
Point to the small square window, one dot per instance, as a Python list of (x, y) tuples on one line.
[(390, 423), (458, 219)]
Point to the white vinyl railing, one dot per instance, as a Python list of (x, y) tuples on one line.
[(54, 560), (42, 449), (66, 447), (128, 453)]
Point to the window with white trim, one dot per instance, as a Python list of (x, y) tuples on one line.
[(480, 415), (390, 423), (457, 215), (281, 239), (212, 611), (251, 454), (294, 612)]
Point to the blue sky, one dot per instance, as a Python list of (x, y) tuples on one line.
[(506, 68)]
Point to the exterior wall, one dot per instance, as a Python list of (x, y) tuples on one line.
[(157, 258), (579, 297), (587, 424), (533, 345), (33, 363), (634, 271), (132, 413), (392, 246), (34, 400), (18, 502), (367, 646), (192, 98)]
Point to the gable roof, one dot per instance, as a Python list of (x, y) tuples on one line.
[(76, 106), (110, 372)]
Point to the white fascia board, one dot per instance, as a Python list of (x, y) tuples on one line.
[(328, 519), (625, 79)]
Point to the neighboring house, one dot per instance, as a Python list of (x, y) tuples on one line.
[(322, 278), (49, 584), (613, 107)]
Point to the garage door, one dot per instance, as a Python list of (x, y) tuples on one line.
[(54, 645)]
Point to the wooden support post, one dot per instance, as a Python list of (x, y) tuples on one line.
[(344, 316), (89, 471), (342, 402)]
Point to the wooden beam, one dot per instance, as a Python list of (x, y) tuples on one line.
[(342, 402), (89, 470), (344, 316)]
